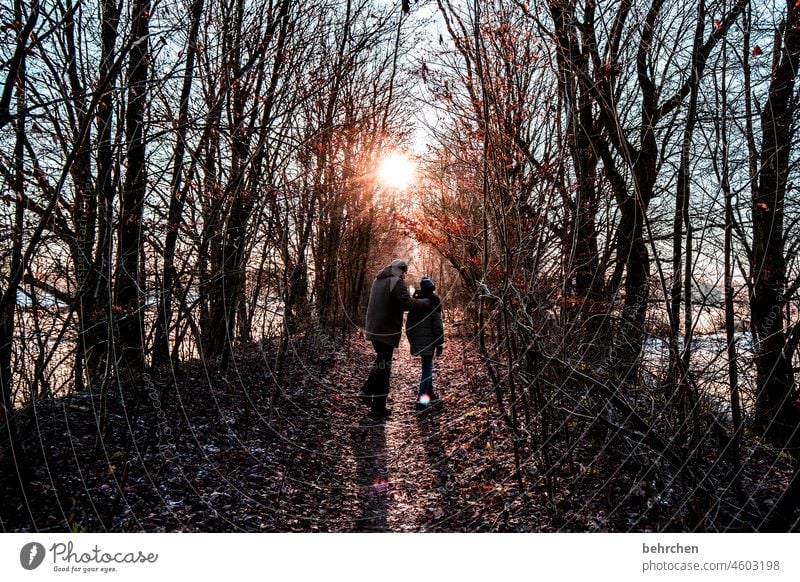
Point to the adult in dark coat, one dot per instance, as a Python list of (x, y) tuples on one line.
[(425, 332), (388, 299)]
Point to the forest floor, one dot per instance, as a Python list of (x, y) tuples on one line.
[(247, 452), (235, 453)]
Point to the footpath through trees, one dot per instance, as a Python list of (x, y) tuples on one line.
[(246, 452)]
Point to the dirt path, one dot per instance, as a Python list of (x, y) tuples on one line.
[(411, 472), (406, 478)]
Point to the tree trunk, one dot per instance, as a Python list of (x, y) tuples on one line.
[(95, 306), (84, 210), (12, 456), (129, 296), (177, 200), (775, 404), (246, 172)]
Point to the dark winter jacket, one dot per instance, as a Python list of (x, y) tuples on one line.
[(424, 327), (388, 299)]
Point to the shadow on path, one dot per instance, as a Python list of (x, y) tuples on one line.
[(369, 449), (450, 514)]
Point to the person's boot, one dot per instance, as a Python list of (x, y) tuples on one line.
[(426, 401), (378, 408)]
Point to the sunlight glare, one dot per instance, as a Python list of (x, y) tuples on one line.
[(396, 171)]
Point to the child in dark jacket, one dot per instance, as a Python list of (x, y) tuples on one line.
[(425, 332)]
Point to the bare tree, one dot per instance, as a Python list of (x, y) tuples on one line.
[(776, 406)]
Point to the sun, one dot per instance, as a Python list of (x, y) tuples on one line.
[(395, 170)]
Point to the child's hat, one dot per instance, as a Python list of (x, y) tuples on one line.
[(426, 283)]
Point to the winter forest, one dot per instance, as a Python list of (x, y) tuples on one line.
[(198, 194)]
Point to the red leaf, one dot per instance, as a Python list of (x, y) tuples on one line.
[(757, 49), (716, 24), (762, 205)]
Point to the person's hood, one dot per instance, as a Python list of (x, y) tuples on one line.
[(389, 271), (395, 269)]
